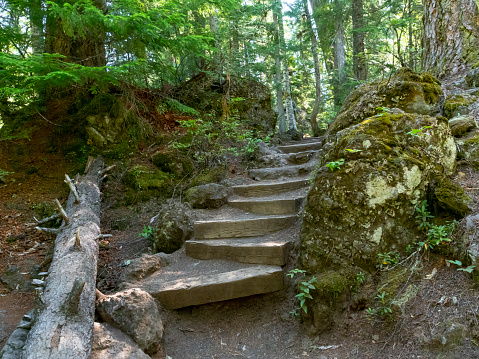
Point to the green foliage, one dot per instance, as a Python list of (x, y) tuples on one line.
[(389, 258), (179, 107), (468, 269), (335, 164), (3, 174), (436, 234), (382, 310), (147, 232), (418, 132), (304, 289)]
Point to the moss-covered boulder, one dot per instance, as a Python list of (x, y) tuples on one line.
[(453, 198), (366, 205), (460, 125), (174, 162), (173, 226), (105, 116), (144, 178), (407, 91), (457, 105), (470, 149)]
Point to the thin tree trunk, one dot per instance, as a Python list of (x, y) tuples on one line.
[(278, 81), (451, 36), (317, 71), (288, 100), (63, 327), (36, 26), (360, 69)]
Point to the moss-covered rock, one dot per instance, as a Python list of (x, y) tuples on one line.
[(470, 149), (365, 207), (453, 198), (143, 178), (209, 175), (210, 195), (457, 105), (172, 162), (174, 226), (407, 91), (462, 124)]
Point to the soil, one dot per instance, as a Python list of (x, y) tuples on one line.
[(255, 327)]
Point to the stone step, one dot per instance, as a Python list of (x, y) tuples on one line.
[(301, 147), (304, 140), (282, 172), (245, 250), (298, 158), (268, 206), (204, 289), (250, 227), (267, 189)]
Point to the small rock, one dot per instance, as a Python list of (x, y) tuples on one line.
[(211, 195), (140, 268), (134, 312), (376, 337), (110, 342), (38, 282)]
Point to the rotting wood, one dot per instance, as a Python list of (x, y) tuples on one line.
[(77, 239), (45, 220), (109, 168), (63, 326)]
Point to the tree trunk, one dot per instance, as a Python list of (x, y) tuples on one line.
[(278, 81), (451, 36), (87, 51), (288, 100), (360, 68), (317, 71), (63, 327), (36, 26)]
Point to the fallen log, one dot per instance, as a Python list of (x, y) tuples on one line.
[(63, 324)]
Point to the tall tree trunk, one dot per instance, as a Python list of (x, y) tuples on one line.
[(86, 51), (317, 72), (36, 25), (278, 80), (410, 37), (360, 69), (288, 100), (451, 36)]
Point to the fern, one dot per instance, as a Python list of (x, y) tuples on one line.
[(178, 106)]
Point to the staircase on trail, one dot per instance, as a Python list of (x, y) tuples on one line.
[(238, 250)]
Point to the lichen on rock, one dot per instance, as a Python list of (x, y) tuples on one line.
[(453, 198)]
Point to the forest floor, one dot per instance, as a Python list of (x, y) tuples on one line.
[(255, 327)]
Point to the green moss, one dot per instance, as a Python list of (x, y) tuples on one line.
[(173, 162), (143, 178), (331, 285), (213, 175), (453, 104), (452, 197)]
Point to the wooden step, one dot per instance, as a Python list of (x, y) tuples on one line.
[(282, 172), (301, 147), (252, 251), (265, 206), (185, 292), (267, 189), (241, 228)]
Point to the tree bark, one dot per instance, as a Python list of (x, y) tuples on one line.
[(278, 81), (360, 68), (87, 51), (63, 326), (317, 71), (35, 13), (288, 100), (451, 36)]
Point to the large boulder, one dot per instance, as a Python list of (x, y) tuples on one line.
[(171, 161), (143, 266), (462, 124), (470, 149), (365, 206), (110, 342), (453, 198), (407, 91), (173, 227), (134, 312), (210, 195)]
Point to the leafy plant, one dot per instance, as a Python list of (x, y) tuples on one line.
[(3, 174), (383, 309), (304, 289), (468, 269), (388, 258), (422, 216), (335, 164), (418, 132), (147, 232)]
